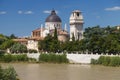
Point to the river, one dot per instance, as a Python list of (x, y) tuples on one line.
[(64, 72)]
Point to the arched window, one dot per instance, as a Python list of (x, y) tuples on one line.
[(77, 14)]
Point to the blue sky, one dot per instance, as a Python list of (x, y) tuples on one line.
[(20, 17)]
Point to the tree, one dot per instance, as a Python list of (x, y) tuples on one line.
[(55, 34), (6, 44), (73, 37), (18, 48), (41, 45), (55, 44), (2, 38), (12, 36)]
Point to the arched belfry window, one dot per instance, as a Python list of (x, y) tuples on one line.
[(78, 14)]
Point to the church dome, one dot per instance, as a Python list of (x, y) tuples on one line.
[(53, 17)]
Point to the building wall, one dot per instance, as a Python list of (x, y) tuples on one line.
[(62, 38), (52, 25), (32, 44), (82, 58)]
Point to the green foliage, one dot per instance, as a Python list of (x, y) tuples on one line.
[(18, 48), (102, 40), (73, 37), (8, 74), (107, 61), (96, 40), (2, 38), (13, 58), (1, 73), (94, 61), (50, 43), (115, 61), (12, 36), (2, 52), (55, 34), (6, 44), (32, 51), (53, 58)]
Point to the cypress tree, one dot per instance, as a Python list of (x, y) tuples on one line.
[(55, 34), (73, 37)]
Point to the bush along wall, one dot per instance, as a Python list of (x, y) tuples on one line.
[(13, 58), (53, 58), (107, 61)]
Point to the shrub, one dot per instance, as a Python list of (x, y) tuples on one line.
[(7, 58), (32, 51), (94, 61), (13, 58), (2, 52), (107, 61), (8, 74), (53, 58), (115, 61)]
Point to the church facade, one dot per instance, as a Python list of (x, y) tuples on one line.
[(54, 21)]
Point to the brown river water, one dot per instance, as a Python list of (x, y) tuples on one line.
[(64, 72)]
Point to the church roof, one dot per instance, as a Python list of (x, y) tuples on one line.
[(20, 40), (38, 29), (36, 38), (53, 17)]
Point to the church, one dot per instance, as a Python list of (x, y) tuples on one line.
[(54, 21)]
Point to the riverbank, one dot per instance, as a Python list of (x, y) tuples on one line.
[(107, 61), (49, 58), (54, 58)]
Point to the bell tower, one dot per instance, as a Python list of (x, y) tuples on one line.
[(76, 25)]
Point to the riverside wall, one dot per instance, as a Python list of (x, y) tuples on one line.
[(74, 58), (81, 58)]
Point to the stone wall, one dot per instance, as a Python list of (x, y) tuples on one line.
[(75, 58), (82, 58)]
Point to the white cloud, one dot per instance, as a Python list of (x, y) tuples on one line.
[(28, 12), (3, 12), (20, 12), (25, 12), (115, 8), (49, 11)]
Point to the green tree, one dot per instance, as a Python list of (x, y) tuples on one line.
[(2, 38), (18, 48), (73, 37), (55, 34), (12, 36), (6, 44)]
